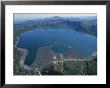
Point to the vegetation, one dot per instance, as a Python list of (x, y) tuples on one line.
[(82, 25), (71, 67), (52, 69), (18, 70)]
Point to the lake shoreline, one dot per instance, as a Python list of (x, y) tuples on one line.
[(25, 52)]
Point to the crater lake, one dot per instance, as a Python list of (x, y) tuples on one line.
[(59, 41)]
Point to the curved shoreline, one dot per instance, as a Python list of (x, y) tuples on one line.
[(25, 52)]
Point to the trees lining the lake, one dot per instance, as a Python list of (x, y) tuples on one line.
[(82, 25)]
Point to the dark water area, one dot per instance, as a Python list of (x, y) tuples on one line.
[(59, 40)]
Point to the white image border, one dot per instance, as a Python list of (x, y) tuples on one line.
[(100, 78)]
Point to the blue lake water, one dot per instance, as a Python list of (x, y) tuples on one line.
[(59, 39)]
